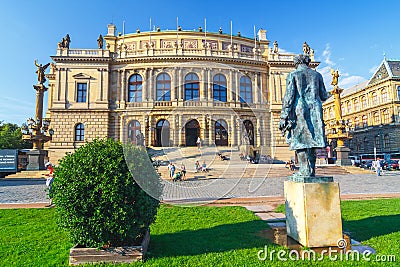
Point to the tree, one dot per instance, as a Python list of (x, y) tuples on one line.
[(11, 137)]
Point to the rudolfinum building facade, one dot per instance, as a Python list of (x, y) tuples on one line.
[(167, 88)]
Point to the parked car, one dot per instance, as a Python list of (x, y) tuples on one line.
[(391, 165), (367, 164)]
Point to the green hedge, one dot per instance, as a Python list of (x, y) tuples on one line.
[(97, 199)]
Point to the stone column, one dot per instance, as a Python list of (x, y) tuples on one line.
[(230, 97), (232, 133), (237, 86), (105, 85), (179, 86), (151, 87), (150, 132), (174, 88), (203, 84), (100, 86), (256, 89), (144, 86), (123, 89), (258, 132), (180, 130), (209, 89), (211, 130)]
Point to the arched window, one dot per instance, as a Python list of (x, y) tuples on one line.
[(163, 87), (80, 132), (135, 88), (331, 113), (219, 87), (376, 141), (398, 92), (134, 131), (349, 107), (356, 105), (386, 117), (192, 87), (342, 106), (376, 118), (374, 97), (364, 102), (365, 120), (386, 141), (384, 96), (357, 122), (365, 144), (245, 90)]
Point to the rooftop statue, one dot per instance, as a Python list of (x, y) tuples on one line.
[(100, 41), (302, 115)]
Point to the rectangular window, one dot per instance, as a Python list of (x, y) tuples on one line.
[(81, 92)]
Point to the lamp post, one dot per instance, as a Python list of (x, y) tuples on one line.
[(340, 129), (37, 130)]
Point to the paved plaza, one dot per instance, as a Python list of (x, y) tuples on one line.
[(209, 189)]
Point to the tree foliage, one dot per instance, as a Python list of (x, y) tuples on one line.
[(11, 137), (97, 199)]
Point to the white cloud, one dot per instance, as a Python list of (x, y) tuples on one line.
[(346, 80), (373, 69), (326, 54)]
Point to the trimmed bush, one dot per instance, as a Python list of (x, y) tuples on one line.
[(97, 199)]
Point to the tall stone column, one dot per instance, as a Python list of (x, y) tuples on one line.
[(210, 95), (237, 86), (151, 87), (211, 130), (144, 86), (203, 84), (150, 132), (231, 89), (233, 134), (180, 130), (180, 85), (258, 132), (256, 89), (123, 89)]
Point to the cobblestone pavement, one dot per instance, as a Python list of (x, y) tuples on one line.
[(209, 189)]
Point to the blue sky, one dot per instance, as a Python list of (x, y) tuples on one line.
[(351, 36)]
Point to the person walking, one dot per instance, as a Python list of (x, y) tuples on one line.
[(183, 170), (378, 166), (198, 142), (172, 170)]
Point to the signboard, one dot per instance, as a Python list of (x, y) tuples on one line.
[(8, 160)]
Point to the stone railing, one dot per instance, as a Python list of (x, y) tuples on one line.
[(256, 56)]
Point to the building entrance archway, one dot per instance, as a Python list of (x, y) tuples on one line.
[(249, 131), (192, 131), (221, 133), (162, 133)]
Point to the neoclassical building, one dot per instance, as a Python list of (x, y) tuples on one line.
[(168, 88), (372, 110)]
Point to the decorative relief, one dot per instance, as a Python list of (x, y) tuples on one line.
[(130, 46), (212, 44), (226, 45), (167, 43), (190, 44), (246, 49), (145, 44)]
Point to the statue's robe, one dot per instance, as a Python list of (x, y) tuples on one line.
[(302, 104)]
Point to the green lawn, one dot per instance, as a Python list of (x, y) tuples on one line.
[(197, 236)]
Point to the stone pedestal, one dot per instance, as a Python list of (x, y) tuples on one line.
[(36, 160), (313, 216), (342, 156)]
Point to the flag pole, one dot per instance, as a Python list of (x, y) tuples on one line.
[(177, 25), (231, 36), (150, 34)]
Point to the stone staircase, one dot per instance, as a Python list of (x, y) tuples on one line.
[(232, 168), (28, 175)]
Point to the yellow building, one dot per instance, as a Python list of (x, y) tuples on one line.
[(372, 111), (168, 88)]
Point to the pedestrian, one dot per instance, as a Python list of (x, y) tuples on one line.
[(378, 166), (196, 166), (49, 181), (204, 167), (198, 142), (169, 168), (183, 170), (172, 170)]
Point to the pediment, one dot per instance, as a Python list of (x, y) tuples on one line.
[(381, 74), (81, 76)]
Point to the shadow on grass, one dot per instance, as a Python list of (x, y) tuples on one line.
[(367, 228), (215, 239)]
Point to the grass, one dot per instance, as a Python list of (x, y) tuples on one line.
[(197, 236)]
